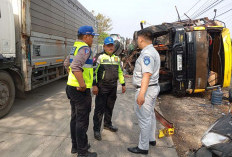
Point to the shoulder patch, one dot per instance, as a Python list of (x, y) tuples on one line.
[(116, 59), (146, 60), (73, 49), (87, 51)]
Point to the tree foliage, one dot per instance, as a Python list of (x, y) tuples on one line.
[(104, 24), (101, 37)]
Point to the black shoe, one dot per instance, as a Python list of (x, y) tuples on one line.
[(153, 143), (74, 150), (136, 150), (111, 128), (97, 135), (88, 154)]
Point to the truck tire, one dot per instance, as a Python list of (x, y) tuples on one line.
[(230, 95), (165, 86), (7, 93)]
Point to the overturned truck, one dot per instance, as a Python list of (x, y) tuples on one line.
[(195, 55)]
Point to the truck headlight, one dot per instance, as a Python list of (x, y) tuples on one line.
[(212, 138)]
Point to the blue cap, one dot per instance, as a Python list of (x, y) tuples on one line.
[(108, 40), (86, 30)]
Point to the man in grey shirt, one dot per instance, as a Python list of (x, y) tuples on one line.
[(145, 79)]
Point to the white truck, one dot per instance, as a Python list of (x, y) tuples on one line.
[(35, 38)]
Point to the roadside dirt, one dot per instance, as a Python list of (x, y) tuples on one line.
[(192, 115)]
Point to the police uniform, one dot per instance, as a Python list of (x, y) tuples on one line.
[(107, 73), (81, 59), (148, 62)]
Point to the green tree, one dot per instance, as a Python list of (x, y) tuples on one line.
[(101, 37), (104, 25)]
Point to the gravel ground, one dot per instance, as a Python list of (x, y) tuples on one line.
[(192, 115)]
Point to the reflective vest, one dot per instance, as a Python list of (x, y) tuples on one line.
[(88, 66), (109, 70)]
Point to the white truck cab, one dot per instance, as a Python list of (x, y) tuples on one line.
[(7, 30)]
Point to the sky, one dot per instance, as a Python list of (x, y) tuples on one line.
[(127, 14)]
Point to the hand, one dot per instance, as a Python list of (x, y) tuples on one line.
[(123, 89), (140, 100), (81, 89), (95, 90)]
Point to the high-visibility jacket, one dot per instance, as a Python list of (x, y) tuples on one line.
[(88, 66), (108, 71)]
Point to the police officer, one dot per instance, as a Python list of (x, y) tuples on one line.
[(80, 81), (107, 73), (145, 79)]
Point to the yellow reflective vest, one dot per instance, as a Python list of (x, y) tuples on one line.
[(88, 67), (108, 71)]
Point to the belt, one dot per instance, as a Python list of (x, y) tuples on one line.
[(148, 85)]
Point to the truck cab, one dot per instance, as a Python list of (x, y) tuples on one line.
[(7, 56), (202, 60), (7, 31), (195, 55)]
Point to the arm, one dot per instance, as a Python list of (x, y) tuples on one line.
[(121, 77), (95, 88), (147, 66), (144, 86), (98, 61), (67, 63), (80, 79), (77, 64)]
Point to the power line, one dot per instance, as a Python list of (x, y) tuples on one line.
[(201, 8), (208, 8), (224, 13), (230, 16), (192, 7), (227, 5)]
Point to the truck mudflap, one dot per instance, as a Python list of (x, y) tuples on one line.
[(179, 61), (227, 55)]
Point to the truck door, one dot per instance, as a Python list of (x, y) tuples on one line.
[(201, 48), (227, 56), (197, 59)]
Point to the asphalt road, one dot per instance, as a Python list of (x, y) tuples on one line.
[(38, 126)]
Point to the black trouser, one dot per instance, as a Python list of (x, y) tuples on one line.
[(104, 104), (80, 110)]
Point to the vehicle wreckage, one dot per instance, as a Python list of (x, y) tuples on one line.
[(195, 55)]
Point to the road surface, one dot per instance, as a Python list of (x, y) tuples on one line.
[(38, 126)]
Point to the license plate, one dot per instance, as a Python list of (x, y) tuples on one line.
[(179, 62)]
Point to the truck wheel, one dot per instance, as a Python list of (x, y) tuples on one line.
[(7, 93), (165, 86), (230, 95)]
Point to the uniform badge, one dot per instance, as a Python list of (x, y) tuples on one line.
[(146, 60), (73, 49), (116, 59), (87, 51)]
